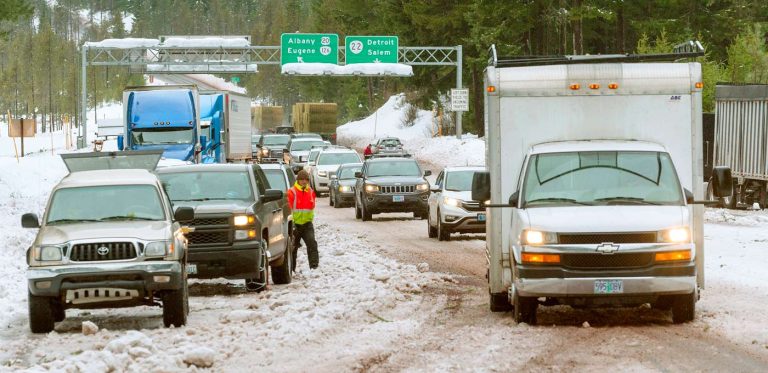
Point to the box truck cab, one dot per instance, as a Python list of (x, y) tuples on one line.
[(593, 169)]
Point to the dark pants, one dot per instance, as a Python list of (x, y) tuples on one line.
[(305, 232)]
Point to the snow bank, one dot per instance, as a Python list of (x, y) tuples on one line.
[(417, 139), (383, 69), (126, 43), (212, 67), (211, 42)]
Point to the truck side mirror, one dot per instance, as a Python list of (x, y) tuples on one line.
[(272, 195), (30, 221), (184, 214), (203, 140), (120, 142), (514, 198), (481, 186), (358, 174), (722, 182), (688, 196), (427, 173)]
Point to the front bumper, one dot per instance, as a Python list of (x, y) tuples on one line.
[(124, 275), (239, 261), (379, 202), (463, 221), (346, 197)]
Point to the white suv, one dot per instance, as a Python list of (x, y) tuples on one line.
[(326, 164), (451, 208)]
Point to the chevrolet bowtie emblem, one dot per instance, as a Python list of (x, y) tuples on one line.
[(607, 248)]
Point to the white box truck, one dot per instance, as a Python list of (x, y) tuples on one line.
[(226, 126), (593, 166)]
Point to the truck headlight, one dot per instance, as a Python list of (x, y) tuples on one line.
[(534, 237), (675, 235), (158, 248), (241, 220), (422, 187), (345, 189), (370, 188), (451, 201), (245, 234), (264, 152), (48, 253), (322, 173)]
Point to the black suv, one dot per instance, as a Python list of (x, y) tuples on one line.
[(391, 185), (239, 222)]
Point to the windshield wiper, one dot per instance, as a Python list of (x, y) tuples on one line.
[(71, 221), (553, 199), (125, 217), (626, 199)]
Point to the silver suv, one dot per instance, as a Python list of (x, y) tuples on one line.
[(451, 208), (108, 238)]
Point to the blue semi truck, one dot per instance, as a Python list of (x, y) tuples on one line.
[(163, 117), (225, 124)]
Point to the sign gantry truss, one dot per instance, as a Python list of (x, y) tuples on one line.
[(189, 60)]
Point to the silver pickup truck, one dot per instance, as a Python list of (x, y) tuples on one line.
[(108, 239)]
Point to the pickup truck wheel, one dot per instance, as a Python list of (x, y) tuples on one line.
[(58, 310), (443, 234), (684, 308), (281, 274), (525, 309), (41, 315), (175, 306), (499, 302), (330, 199), (431, 231), (259, 283), (367, 216)]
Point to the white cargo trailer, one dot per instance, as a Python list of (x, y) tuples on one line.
[(741, 141), (593, 165)]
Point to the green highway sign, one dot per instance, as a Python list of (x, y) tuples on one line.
[(309, 48), (235, 79), (371, 49)]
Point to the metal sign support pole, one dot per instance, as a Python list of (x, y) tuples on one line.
[(459, 86), (82, 131)]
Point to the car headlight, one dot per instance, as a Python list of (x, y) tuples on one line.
[(422, 187), (158, 248), (675, 235), (322, 173), (241, 220), (534, 237), (370, 188), (451, 201), (48, 253), (345, 188), (264, 152)]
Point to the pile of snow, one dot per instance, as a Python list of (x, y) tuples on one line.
[(206, 42), (417, 140), (125, 43), (735, 217), (211, 67), (383, 69)]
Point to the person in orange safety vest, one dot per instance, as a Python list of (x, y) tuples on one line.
[(301, 198)]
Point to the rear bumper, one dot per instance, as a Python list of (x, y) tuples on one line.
[(239, 261), (126, 275)]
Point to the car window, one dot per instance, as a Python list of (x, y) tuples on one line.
[(348, 172), (393, 168), (276, 140), (304, 145), (439, 180), (276, 179), (208, 185), (105, 202), (460, 181), (313, 155), (337, 158)]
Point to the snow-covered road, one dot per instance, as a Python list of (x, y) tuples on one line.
[(374, 306)]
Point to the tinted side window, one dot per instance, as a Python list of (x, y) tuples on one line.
[(261, 181), (291, 176)]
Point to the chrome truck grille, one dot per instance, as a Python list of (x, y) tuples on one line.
[(392, 189), (92, 252)]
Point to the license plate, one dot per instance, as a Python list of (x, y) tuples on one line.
[(609, 286), (191, 269), (398, 198), (480, 217)]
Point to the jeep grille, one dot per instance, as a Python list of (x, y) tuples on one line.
[(392, 189)]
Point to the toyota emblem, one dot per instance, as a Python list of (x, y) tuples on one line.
[(102, 250)]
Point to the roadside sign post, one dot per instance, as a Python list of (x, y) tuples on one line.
[(309, 48), (371, 49)]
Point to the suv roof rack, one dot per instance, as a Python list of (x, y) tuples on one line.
[(690, 49)]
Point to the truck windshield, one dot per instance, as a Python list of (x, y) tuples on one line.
[(163, 136), (601, 178), (207, 185), (337, 158), (393, 168), (276, 179), (279, 140), (459, 181), (349, 172), (105, 203), (299, 146)]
